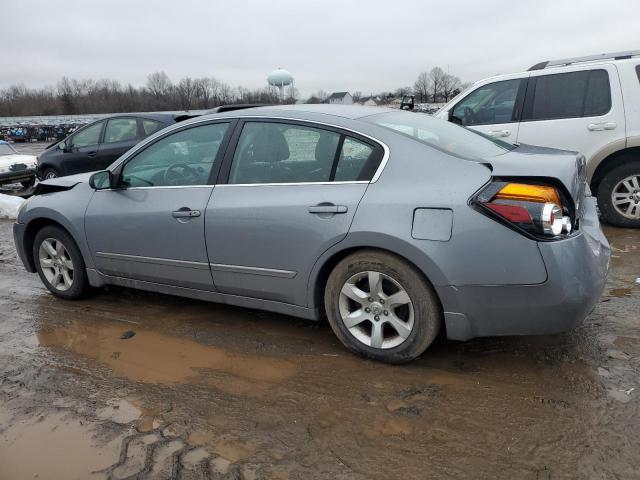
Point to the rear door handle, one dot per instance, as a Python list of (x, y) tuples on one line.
[(93, 154), (328, 208), (185, 212), (598, 127), (499, 133)]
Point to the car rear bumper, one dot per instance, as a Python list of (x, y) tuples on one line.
[(18, 240), (576, 274)]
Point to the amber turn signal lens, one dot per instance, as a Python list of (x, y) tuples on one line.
[(529, 193)]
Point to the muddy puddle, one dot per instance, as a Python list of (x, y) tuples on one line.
[(152, 357)]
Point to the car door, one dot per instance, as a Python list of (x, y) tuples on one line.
[(288, 192), (578, 109), (150, 227), (82, 148), (492, 108), (120, 134)]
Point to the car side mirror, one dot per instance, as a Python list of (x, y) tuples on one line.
[(101, 180), (63, 146), (454, 119)]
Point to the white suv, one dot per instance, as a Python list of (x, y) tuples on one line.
[(588, 104)]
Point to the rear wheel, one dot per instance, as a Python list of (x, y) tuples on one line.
[(381, 307), (59, 263), (619, 195)]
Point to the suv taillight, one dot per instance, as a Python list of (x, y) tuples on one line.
[(535, 209)]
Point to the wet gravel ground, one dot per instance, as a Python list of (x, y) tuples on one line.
[(209, 391)]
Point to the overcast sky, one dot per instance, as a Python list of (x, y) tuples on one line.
[(368, 45)]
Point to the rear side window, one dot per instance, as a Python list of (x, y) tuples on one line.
[(568, 95), (121, 130), (356, 162), (151, 126)]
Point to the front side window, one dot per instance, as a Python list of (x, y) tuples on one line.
[(568, 95), (283, 153), (121, 130), (88, 136), (182, 158), (490, 104), (445, 136)]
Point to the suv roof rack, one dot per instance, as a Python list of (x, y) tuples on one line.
[(588, 58)]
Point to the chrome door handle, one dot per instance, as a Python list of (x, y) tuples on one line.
[(598, 127), (328, 208), (499, 133), (185, 213)]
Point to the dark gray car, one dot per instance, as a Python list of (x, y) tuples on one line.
[(394, 225), (97, 145)]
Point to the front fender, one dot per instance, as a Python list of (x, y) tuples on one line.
[(66, 209)]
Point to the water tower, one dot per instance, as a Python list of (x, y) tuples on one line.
[(281, 78)]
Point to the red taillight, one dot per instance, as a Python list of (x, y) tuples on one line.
[(536, 209), (512, 213)]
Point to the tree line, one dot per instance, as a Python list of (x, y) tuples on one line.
[(71, 96)]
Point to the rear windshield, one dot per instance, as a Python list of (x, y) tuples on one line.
[(443, 135), (5, 149)]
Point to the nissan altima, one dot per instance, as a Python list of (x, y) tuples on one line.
[(392, 224)]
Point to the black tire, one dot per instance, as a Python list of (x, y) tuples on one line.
[(28, 183), (49, 173), (427, 316), (605, 190), (80, 283)]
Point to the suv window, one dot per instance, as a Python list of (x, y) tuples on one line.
[(490, 104), (283, 153), (88, 136), (151, 126), (182, 158), (121, 130), (638, 71), (568, 95)]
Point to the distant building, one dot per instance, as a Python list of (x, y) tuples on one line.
[(343, 98), (370, 101)]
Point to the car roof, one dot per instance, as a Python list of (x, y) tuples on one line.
[(300, 110)]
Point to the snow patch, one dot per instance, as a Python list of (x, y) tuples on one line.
[(9, 206)]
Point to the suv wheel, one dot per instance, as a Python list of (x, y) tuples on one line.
[(619, 195), (49, 173), (59, 263), (381, 307)]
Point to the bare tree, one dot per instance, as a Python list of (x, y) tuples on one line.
[(436, 76), (186, 90), (450, 84), (159, 86), (422, 86)]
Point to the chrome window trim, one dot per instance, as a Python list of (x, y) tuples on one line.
[(292, 184), (151, 188), (376, 175)]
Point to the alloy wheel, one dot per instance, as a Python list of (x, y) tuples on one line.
[(56, 264), (50, 175), (626, 197), (376, 309)]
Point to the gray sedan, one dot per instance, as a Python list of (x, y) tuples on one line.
[(393, 224)]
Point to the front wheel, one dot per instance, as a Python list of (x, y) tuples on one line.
[(619, 195), (381, 307), (59, 263), (49, 173)]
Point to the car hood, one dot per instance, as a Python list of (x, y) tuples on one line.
[(530, 161), (8, 160), (62, 183)]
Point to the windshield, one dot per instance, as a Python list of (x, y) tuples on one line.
[(441, 134), (6, 149)]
